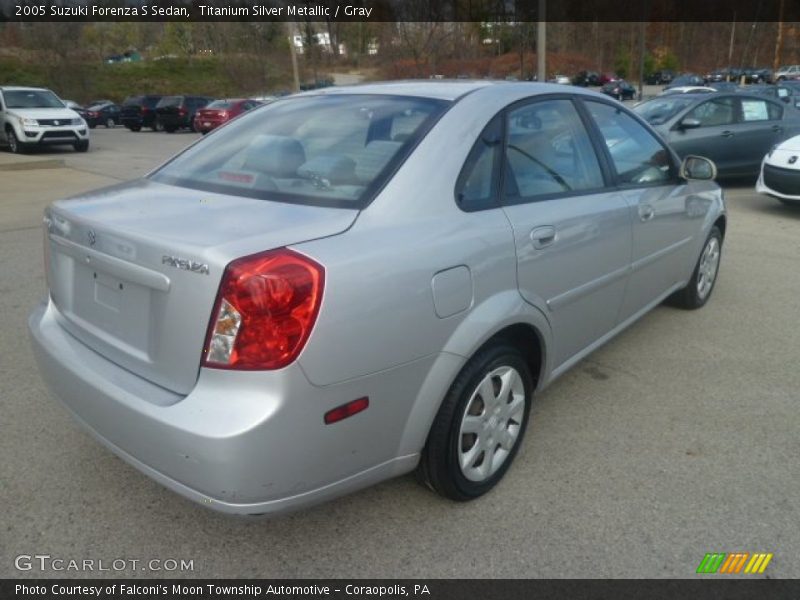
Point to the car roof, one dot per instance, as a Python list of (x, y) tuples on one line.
[(451, 89), (22, 88), (442, 89)]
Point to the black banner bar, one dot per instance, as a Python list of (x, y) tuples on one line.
[(702, 588), (400, 10)]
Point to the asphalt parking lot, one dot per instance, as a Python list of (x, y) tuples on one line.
[(678, 438)]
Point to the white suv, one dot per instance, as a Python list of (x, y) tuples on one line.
[(36, 116), (789, 72)]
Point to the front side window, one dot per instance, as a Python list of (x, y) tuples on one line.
[(713, 113), (638, 157), (548, 151), (332, 150)]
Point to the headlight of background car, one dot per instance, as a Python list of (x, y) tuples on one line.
[(25, 122)]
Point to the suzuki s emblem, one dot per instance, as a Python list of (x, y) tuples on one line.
[(792, 159), (56, 123), (92, 237)]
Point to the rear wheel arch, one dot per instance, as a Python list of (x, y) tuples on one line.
[(720, 223)]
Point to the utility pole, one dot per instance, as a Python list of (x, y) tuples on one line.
[(293, 54), (541, 43), (776, 61), (730, 46)]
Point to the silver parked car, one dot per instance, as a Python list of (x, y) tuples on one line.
[(353, 283)]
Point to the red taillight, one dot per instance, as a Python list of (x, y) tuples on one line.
[(145, 111), (181, 111), (224, 114), (266, 307)]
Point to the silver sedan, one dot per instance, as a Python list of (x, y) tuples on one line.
[(354, 283)]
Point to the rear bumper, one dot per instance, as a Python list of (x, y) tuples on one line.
[(240, 442)]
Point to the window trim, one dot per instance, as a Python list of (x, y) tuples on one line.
[(494, 201), (600, 141)]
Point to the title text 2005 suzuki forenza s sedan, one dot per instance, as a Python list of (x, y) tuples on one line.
[(349, 284)]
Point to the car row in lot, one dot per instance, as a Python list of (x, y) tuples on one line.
[(171, 113)]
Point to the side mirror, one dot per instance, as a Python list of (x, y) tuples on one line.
[(698, 168), (690, 124)]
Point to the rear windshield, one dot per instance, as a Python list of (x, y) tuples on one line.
[(32, 99), (170, 101), (221, 104), (133, 101), (329, 150), (660, 110)]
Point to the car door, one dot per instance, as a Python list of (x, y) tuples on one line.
[(664, 215), (759, 128), (572, 234), (711, 134)]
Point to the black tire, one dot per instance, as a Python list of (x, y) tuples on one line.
[(439, 467), (690, 297), (135, 128), (14, 145), (92, 125), (81, 146), (170, 129)]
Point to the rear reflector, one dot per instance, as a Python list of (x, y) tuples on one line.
[(346, 410)]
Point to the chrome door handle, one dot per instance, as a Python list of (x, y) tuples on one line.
[(646, 212), (727, 134), (543, 236)]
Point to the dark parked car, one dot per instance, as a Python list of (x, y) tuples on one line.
[(140, 111), (220, 112), (686, 79), (102, 114), (177, 112), (586, 78), (621, 90), (733, 130), (662, 77), (724, 86)]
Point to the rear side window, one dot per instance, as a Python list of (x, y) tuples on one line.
[(760, 110), (638, 157), (332, 150), (548, 151)]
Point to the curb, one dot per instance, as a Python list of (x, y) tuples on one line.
[(32, 164)]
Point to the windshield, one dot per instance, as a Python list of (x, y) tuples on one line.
[(32, 99), (169, 101), (222, 104), (660, 110), (329, 150)]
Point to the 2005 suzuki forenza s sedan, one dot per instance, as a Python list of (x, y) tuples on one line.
[(349, 284)]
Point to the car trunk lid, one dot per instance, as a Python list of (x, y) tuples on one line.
[(134, 269)]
